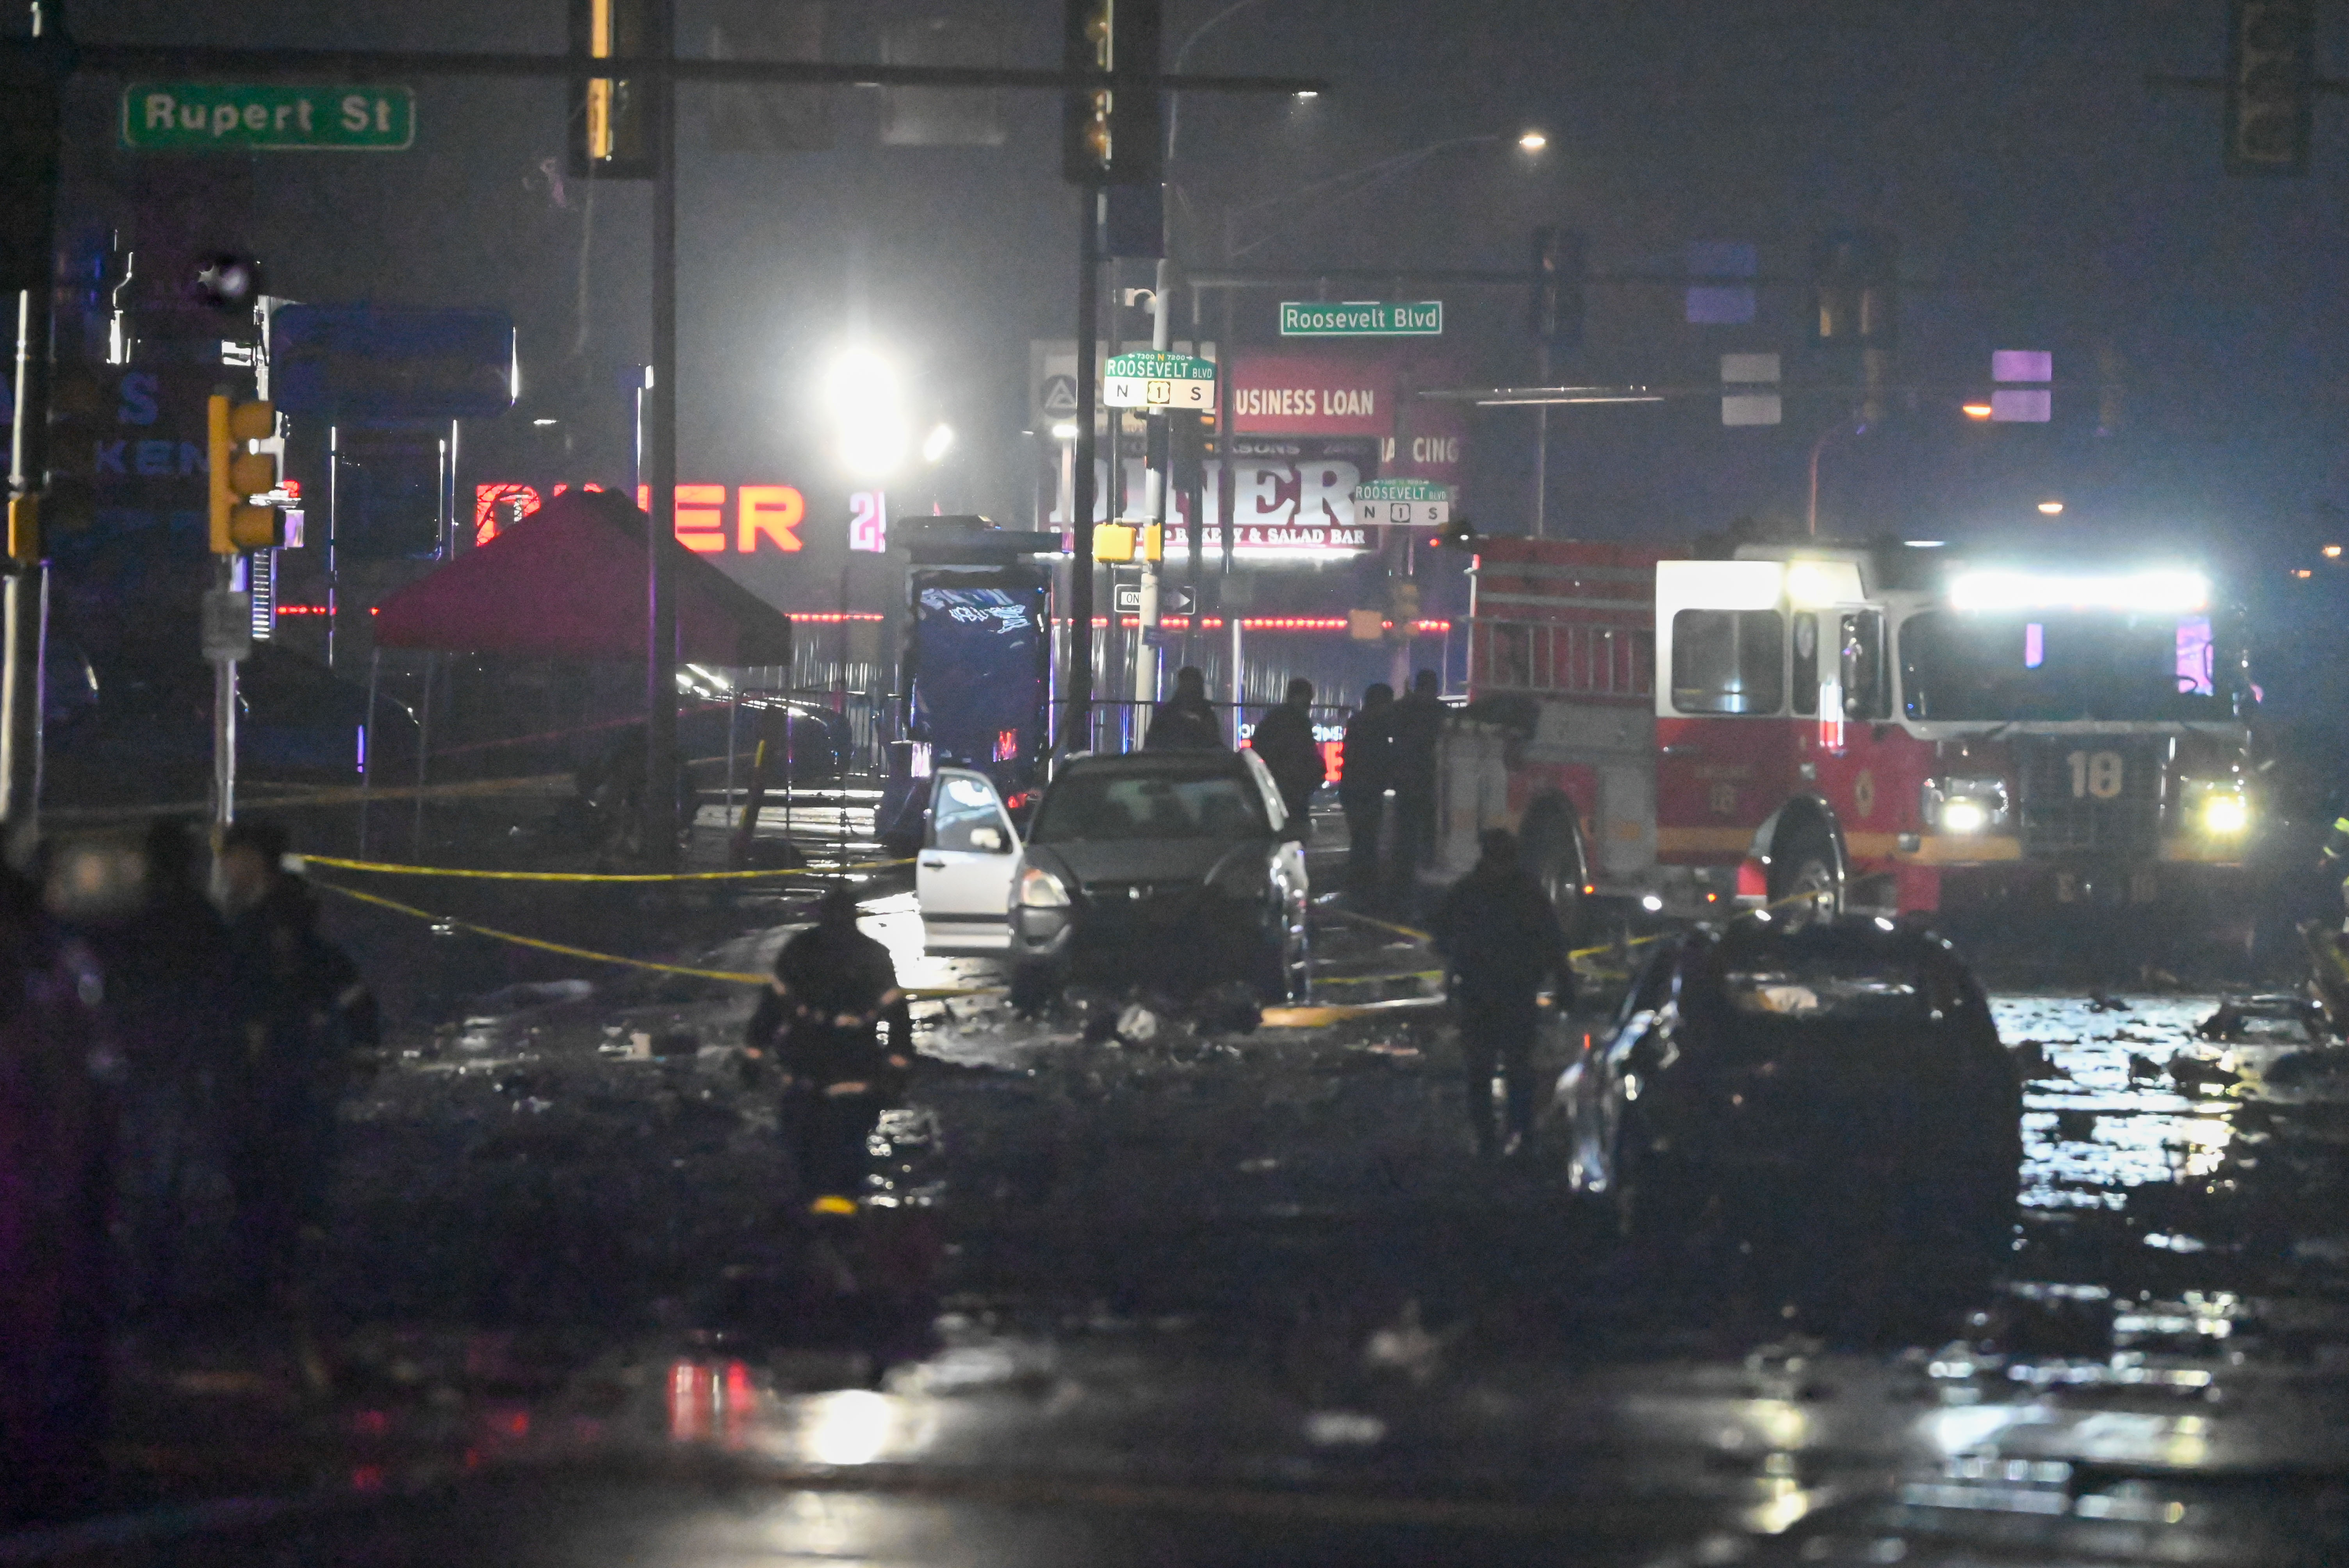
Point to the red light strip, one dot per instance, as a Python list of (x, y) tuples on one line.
[(1274, 623), (833, 617)]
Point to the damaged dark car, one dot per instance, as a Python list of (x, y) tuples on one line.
[(1759, 1070)]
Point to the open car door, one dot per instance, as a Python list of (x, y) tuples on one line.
[(962, 878)]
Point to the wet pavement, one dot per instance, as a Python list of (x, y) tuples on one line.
[(1194, 1296)]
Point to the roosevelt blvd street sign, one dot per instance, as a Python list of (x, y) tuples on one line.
[(1404, 503), (1362, 318), (213, 116), (1155, 380)]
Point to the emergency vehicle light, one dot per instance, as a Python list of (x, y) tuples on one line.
[(2157, 593)]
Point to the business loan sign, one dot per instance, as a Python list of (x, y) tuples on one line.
[(1362, 318), (210, 117)]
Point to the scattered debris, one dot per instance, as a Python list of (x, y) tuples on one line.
[(2193, 1072)]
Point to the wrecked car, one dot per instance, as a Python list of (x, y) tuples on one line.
[(1165, 869), (1764, 1065)]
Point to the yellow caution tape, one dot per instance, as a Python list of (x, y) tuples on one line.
[(926, 994), (387, 869)]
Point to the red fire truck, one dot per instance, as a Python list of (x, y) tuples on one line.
[(1895, 730)]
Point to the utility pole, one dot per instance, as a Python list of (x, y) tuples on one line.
[(30, 92), (660, 823), (1159, 450), (1076, 717)]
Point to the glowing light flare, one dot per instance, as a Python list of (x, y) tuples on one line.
[(1964, 817), (867, 409), (1975, 410), (1533, 141), (2332, 553), (2050, 508), (2160, 592)]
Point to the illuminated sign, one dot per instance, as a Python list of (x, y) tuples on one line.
[(869, 521), (759, 515)]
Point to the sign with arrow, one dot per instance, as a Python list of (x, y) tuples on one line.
[(1173, 600), (1155, 380), (1402, 503)]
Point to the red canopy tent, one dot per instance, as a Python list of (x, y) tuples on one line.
[(568, 581)]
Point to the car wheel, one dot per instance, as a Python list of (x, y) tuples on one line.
[(1804, 885), (1034, 988)]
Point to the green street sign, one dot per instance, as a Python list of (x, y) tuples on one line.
[(1155, 380), (1362, 318), (214, 116), (1406, 503)]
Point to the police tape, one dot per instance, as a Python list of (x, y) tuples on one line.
[(732, 976), (1573, 955), (385, 868)]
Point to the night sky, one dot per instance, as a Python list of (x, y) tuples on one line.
[(2044, 197)]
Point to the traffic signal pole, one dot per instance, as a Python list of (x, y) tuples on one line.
[(28, 247), (1076, 716), (660, 823)]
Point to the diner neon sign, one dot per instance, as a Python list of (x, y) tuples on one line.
[(767, 513)]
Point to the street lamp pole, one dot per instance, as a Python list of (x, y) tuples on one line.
[(1832, 431)]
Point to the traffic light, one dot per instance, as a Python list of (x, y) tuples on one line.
[(1458, 534), (1112, 137), (238, 475), (1559, 273), (1854, 289), (611, 122), (2270, 71)]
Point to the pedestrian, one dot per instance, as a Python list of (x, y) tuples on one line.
[(1417, 726), (169, 1012), (56, 1185), (835, 987), (1365, 772), (1285, 740), (1500, 938), (307, 1029), (1185, 721)]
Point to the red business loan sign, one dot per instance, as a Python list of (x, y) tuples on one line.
[(713, 519)]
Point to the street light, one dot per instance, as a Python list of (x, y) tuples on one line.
[(937, 444), (1976, 411), (868, 413), (2050, 508), (1532, 141)]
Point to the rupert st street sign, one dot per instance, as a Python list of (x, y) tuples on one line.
[(210, 116)]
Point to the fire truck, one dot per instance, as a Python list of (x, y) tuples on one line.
[(1893, 729)]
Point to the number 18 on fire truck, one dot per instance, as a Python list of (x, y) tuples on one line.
[(1892, 728)]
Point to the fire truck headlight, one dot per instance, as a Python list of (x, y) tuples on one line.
[(1965, 805), (2226, 814), (1962, 816)]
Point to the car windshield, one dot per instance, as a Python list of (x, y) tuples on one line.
[(1104, 803), (1961, 666)]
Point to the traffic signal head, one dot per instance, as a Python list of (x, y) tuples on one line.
[(2270, 71), (1559, 275), (237, 475), (1458, 534), (1854, 289), (1112, 136)]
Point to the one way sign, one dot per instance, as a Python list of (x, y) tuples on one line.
[(1172, 600)]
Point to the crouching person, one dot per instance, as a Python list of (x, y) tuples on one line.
[(834, 991)]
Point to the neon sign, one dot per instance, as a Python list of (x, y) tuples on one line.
[(767, 513)]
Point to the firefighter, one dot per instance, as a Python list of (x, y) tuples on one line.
[(1365, 770), (1416, 726), (307, 1028), (1185, 721), (833, 989), (1285, 740), (1499, 934)]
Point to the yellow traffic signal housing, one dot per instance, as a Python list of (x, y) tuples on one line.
[(237, 475)]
